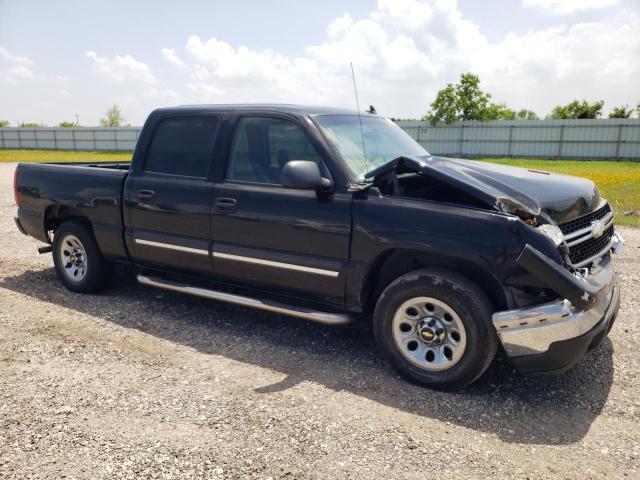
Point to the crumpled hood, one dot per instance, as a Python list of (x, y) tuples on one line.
[(556, 197)]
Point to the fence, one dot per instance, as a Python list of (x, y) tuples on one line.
[(79, 138), (581, 139)]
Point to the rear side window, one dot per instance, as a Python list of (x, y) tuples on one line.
[(182, 146)]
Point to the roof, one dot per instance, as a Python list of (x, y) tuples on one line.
[(271, 107)]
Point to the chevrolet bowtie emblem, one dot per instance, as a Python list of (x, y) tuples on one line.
[(597, 228), (427, 335)]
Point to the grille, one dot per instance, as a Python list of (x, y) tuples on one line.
[(587, 246), (584, 221), (590, 247)]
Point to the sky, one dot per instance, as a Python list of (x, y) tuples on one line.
[(66, 58)]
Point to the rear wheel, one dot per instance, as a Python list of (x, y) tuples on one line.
[(434, 326), (78, 260)]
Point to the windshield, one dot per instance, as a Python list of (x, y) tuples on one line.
[(383, 141)]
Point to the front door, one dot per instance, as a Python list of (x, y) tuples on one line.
[(268, 236)]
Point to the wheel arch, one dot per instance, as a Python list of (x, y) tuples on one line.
[(55, 215), (391, 264)]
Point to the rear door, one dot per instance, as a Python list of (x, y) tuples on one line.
[(169, 196), (271, 237)]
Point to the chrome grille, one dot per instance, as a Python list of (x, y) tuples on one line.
[(584, 221), (589, 236), (592, 247)]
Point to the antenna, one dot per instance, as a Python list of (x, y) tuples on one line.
[(364, 150)]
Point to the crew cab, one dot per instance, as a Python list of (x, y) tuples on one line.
[(329, 215)]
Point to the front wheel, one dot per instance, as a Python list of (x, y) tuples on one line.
[(434, 326), (78, 260)]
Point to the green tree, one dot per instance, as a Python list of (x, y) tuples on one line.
[(621, 112), (466, 101), (31, 125), (114, 117), (638, 110), (576, 109), (498, 111), (470, 100), (444, 107), (4, 123), (67, 124), (525, 114)]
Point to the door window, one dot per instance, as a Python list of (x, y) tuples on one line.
[(262, 146), (182, 146)]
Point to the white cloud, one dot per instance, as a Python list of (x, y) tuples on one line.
[(6, 55), (20, 72), (563, 7), (121, 68), (547, 67), (339, 26), (360, 43), (170, 55), (406, 50), (403, 52), (16, 68), (410, 13)]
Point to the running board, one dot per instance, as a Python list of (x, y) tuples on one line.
[(301, 312)]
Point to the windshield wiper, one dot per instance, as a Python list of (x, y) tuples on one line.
[(401, 164), (361, 186), (387, 172)]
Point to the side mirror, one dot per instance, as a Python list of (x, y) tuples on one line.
[(304, 175)]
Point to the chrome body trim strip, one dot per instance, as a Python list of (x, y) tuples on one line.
[(271, 263), (238, 258), (327, 318), (171, 246)]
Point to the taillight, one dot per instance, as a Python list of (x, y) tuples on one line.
[(16, 197)]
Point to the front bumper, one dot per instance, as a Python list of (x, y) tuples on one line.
[(552, 337), (562, 355)]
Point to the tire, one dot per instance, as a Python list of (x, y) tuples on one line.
[(78, 260), (434, 327)]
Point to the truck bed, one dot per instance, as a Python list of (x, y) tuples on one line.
[(91, 190)]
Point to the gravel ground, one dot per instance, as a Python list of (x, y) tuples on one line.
[(142, 383)]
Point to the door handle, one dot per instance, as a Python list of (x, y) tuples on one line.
[(225, 205), (146, 195)]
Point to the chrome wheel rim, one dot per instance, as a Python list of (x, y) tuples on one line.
[(73, 258), (429, 333)]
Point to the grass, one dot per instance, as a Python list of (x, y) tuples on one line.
[(619, 182), (62, 156)]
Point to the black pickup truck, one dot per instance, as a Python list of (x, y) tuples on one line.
[(330, 215)]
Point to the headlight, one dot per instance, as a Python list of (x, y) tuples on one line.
[(553, 232)]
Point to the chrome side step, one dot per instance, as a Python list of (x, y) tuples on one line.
[(301, 312)]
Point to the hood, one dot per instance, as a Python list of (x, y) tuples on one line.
[(555, 197)]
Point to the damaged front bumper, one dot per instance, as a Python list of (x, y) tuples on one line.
[(552, 337)]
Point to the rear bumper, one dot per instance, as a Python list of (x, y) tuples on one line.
[(19, 225), (552, 337), (31, 223)]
